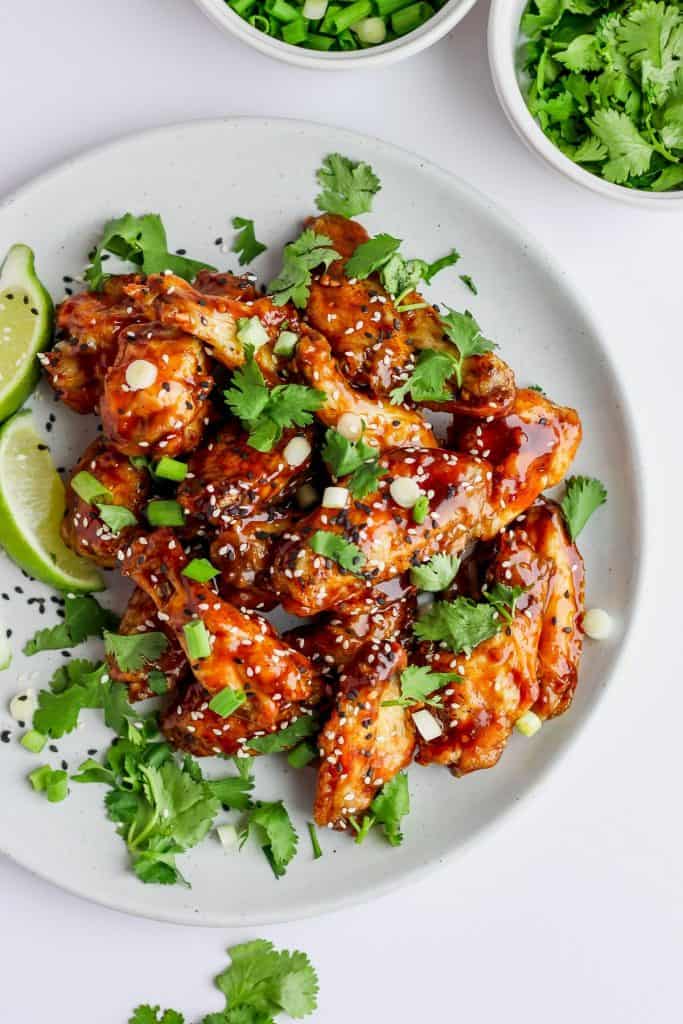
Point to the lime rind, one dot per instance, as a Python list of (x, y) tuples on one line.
[(32, 502), (26, 316)]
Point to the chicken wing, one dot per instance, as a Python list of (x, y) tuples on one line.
[(86, 333), (141, 616), (83, 529), (530, 449), (386, 425), (363, 744), (385, 534), (168, 415), (227, 479), (498, 680)]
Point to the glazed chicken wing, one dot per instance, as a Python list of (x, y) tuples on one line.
[(386, 425), (164, 410), (246, 654), (141, 616), (385, 533), (227, 479), (86, 331), (83, 529), (363, 744), (498, 680), (530, 449)]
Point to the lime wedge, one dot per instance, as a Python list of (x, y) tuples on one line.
[(31, 510), (25, 327)]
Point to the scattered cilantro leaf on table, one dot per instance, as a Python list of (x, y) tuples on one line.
[(83, 617), (348, 186), (299, 258), (154, 1015), (341, 551), (584, 495), (469, 283), (246, 244), (265, 412)]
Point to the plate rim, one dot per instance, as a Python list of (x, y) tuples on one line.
[(537, 252)]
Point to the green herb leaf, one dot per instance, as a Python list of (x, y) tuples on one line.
[(469, 283), (465, 333), (299, 258), (274, 830), (391, 804), (233, 791), (436, 574), (348, 186), (153, 1015), (370, 256), (341, 551), (246, 243), (417, 682), (461, 624), (83, 617), (427, 382), (132, 652), (584, 495), (355, 459), (201, 570), (275, 742), (629, 153), (268, 982)]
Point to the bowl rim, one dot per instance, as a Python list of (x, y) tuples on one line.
[(503, 24), (419, 39)]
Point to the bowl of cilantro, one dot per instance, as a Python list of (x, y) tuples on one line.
[(595, 87), (337, 34)]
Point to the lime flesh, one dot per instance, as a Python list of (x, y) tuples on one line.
[(31, 510), (25, 327)]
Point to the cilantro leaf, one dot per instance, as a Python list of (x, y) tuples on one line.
[(341, 551), (272, 826), (436, 574), (651, 36), (136, 650), (116, 517), (364, 480), (390, 805), (268, 982), (400, 276), (153, 1015), (355, 459), (503, 598), (581, 54), (370, 256), (246, 243), (629, 153), (427, 382), (233, 791), (461, 624), (274, 742), (83, 617), (140, 240), (417, 682), (584, 495), (75, 686), (469, 283), (265, 412), (299, 258), (348, 186), (465, 333)]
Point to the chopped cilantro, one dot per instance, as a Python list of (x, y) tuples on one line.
[(201, 570), (274, 742), (420, 509), (154, 1015), (341, 551), (584, 495), (469, 283), (436, 574), (271, 825), (370, 256), (400, 276), (462, 624), (157, 682), (246, 243), (265, 412), (390, 805), (136, 650), (234, 791), (355, 459), (83, 617), (348, 186), (417, 682), (465, 333), (427, 382), (299, 258)]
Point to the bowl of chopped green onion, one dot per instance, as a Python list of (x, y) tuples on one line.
[(595, 87), (337, 34)]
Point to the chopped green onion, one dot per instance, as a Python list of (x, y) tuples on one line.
[(295, 32), (410, 306), (201, 570), (316, 42), (282, 11), (347, 40), (170, 469), (370, 31), (420, 509), (349, 15), (250, 330), (386, 7), (410, 18), (242, 7), (262, 24), (302, 755), (165, 513), (528, 724), (198, 640), (88, 487), (317, 852), (227, 701), (116, 517), (57, 788), (39, 776), (287, 340), (314, 10), (33, 741)]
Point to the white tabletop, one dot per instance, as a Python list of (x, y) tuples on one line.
[(572, 911)]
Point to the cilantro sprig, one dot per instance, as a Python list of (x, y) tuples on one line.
[(299, 259), (83, 617), (353, 459), (246, 243), (136, 650), (271, 825), (265, 412), (397, 274), (417, 683), (584, 496), (348, 186), (347, 555), (462, 624), (391, 804), (436, 574)]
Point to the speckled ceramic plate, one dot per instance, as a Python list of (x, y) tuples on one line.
[(198, 176)]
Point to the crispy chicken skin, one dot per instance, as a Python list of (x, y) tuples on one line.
[(559, 649), (530, 449), (228, 479), (168, 417), (229, 286), (83, 529), (246, 653), (86, 332), (499, 678), (385, 533), (386, 425), (141, 616), (363, 744), (209, 315)]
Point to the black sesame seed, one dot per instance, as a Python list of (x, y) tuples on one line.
[(53, 748), (5, 735)]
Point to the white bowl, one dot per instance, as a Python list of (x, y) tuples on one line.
[(374, 56), (503, 36)]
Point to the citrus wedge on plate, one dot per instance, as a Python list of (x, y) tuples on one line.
[(31, 510), (25, 327)]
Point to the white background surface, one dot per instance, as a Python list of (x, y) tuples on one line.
[(574, 910)]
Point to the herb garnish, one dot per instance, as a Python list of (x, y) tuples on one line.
[(246, 243), (83, 617), (343, 552), (353, 459), (417, 682), (584, 495), (348, 186), (299, 258), (390, 805), (462, 624)]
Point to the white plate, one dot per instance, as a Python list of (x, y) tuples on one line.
[(198, 176)]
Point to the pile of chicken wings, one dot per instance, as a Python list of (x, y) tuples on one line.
[(503, 447)]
